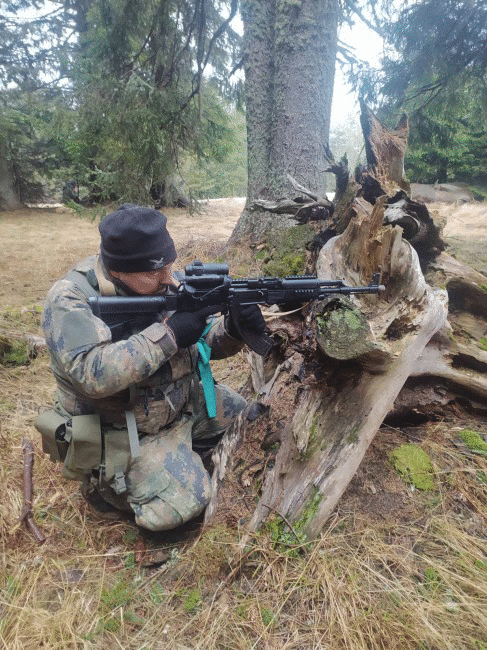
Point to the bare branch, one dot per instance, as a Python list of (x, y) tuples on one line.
[(26, 514), (302, 189)]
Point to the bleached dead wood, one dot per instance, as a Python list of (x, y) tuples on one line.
[(455, 358), (385, 149), (348, 381), (304, 210), (464, 367), (326, 439)]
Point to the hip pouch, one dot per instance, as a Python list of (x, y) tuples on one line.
[(52, 427), (85, 446), (82, 445)]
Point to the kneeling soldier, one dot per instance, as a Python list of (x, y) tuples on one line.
[(128, 410)]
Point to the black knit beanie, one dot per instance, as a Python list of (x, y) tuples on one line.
[(134, 238)]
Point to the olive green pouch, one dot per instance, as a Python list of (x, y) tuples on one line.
[(80, 444), (52, 427), (117, 457), (85, 447)]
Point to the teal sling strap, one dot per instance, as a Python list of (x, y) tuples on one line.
[(206, 376)]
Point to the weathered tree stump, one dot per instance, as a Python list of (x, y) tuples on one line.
[(333, 425), (337, 368)]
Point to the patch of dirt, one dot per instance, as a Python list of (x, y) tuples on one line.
[(215, 220), (376, 492), (465, 232), (466, 220), (41, 244)]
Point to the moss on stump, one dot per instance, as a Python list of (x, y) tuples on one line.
[(286, 251), (341, 330)]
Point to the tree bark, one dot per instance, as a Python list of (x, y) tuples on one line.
[(290, 51), (9, 196)]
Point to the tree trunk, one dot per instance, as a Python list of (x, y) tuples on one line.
[(338, 370), (290, 51), (9, 196)]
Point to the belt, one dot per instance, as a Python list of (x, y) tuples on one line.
[(157, 393)]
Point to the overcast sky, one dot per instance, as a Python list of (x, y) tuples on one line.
[(368, 46)]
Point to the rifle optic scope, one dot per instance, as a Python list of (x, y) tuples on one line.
[(198, 268)]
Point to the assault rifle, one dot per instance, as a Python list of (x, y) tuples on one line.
[(207, 285)]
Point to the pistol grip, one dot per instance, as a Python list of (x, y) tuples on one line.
[(259, 344)]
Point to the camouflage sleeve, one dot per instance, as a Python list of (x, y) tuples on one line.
[(82, 348), (221, 343)]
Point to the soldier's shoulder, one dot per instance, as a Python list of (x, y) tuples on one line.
[(70, 285), (85, 265)]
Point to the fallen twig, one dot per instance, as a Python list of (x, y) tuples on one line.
[(26, 514)]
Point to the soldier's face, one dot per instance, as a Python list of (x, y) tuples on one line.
[(147, 282)]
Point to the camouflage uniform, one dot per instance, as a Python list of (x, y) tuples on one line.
[(146, 374)]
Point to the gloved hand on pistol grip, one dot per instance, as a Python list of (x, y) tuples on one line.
[(188, 327), (248, 317)]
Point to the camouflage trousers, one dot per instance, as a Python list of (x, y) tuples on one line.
[(168, 484)]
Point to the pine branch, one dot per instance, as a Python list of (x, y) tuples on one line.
[(356, 10), (238, 66), (221, 29)]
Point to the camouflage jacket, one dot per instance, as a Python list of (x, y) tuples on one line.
[(145, 372)]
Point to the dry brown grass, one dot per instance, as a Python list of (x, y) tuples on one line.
[(465, 232), (413, 578)]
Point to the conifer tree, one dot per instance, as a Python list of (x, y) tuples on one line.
[(435, 69), (123, 89)]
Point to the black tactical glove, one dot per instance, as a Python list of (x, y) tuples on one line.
[(187, 327), (248, 317)]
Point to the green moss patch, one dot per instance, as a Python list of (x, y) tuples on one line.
[(287, 251), (473, 440), (286, 539), (414, 465), (192, 600), (13, 353)]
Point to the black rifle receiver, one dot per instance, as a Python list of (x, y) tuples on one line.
[(210, 285)]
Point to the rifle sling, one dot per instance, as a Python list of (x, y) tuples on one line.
[(204, 371)]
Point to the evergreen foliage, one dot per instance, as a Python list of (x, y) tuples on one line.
[(435, 69), (28, 140), (124, 91), (144, 103), (34, 57), (224, 175)]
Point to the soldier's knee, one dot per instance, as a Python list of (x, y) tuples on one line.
[(229, 404), (157, 515), (167, 484)]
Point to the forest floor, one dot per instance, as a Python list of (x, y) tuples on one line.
[(396, 568)]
